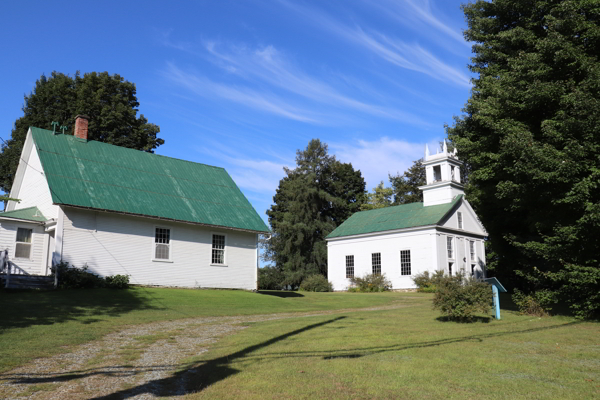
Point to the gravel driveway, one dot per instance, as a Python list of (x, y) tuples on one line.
[(140, 362)]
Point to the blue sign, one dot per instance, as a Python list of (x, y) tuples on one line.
[(496, 287)]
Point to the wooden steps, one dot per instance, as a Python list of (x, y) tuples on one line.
[(28, 282)]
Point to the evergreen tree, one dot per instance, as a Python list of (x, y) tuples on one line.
[(310, 202), (406, 186), (108, 100), (530, 139)]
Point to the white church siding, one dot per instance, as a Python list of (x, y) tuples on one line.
[(34, 265), (118, 244), (389, 245), (30, 186)]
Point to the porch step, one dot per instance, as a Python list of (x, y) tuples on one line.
[(28, 282)]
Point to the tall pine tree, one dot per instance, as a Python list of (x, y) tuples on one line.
[(530, 139), (311, 201)]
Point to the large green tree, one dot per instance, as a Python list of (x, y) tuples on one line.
[(109, 101), (406, 186), (530, 137), (310, 202)]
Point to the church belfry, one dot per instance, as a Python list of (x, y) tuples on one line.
[(442, 171)]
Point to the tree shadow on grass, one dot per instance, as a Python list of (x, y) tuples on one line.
[(280, 293), (473, 320), (21, 309), (196, 376)]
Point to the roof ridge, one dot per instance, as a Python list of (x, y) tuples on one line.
[(68, 136)]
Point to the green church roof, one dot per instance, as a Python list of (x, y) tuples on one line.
[(105, 177), (29, 214), (393, 218)]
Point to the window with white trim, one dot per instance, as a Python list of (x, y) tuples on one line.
[(405, 265), (376, 263), (162, 244), (472, 250), (450, 269), (23, 243), (450, 247), (350, 266), (218, 249), (460, 220)]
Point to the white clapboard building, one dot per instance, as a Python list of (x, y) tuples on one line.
[(442, 233), (161, 220)]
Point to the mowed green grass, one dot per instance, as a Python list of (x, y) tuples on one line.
[(38, 324), (406, 353)]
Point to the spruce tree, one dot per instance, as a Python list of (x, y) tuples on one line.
[(310, 202)]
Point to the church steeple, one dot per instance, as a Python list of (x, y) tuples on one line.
[(442, 171)]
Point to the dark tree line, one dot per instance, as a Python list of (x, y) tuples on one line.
[(530, 138)]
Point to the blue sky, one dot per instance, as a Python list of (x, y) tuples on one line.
[(244, 84)]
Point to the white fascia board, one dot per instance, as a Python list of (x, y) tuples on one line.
[(460, 232), (24, 158), (22, 220), (391, 232), (442, 184)]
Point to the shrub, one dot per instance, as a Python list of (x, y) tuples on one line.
[(316, 283), (117, 281), (459, 298), (370, 283), (70, 277), (535, 303), (270, 278), (428, 283)]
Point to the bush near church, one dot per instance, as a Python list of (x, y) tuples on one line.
[(460, 298), (370, 283), (316, 283)]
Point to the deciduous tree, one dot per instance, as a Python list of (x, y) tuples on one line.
[(109, 101)]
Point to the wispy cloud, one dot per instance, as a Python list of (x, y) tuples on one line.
[(376, 159), (409, 56), (407, 11), (262, 101), (271, 66)]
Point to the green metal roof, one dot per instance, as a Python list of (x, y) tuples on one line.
[(29, 214), (106, 177), (392, 218)]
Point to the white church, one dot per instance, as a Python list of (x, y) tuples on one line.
[(442, 233)]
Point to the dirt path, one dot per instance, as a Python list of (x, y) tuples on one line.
[(133, 363)]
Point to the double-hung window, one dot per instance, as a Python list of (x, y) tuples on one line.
[(350, 266), (23, 243), (162, 244), (450, 246), (376, 263), (473, 256), (405, 262), (218, 250)]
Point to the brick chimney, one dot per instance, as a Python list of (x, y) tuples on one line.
[(81, 127)]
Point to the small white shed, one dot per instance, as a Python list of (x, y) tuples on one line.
[(442, 233)]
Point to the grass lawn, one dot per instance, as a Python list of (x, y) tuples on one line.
[(401, 353), (41, 323), (406, 353)]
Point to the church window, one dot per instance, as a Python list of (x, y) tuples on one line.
[(376, 263), (350, 266)]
